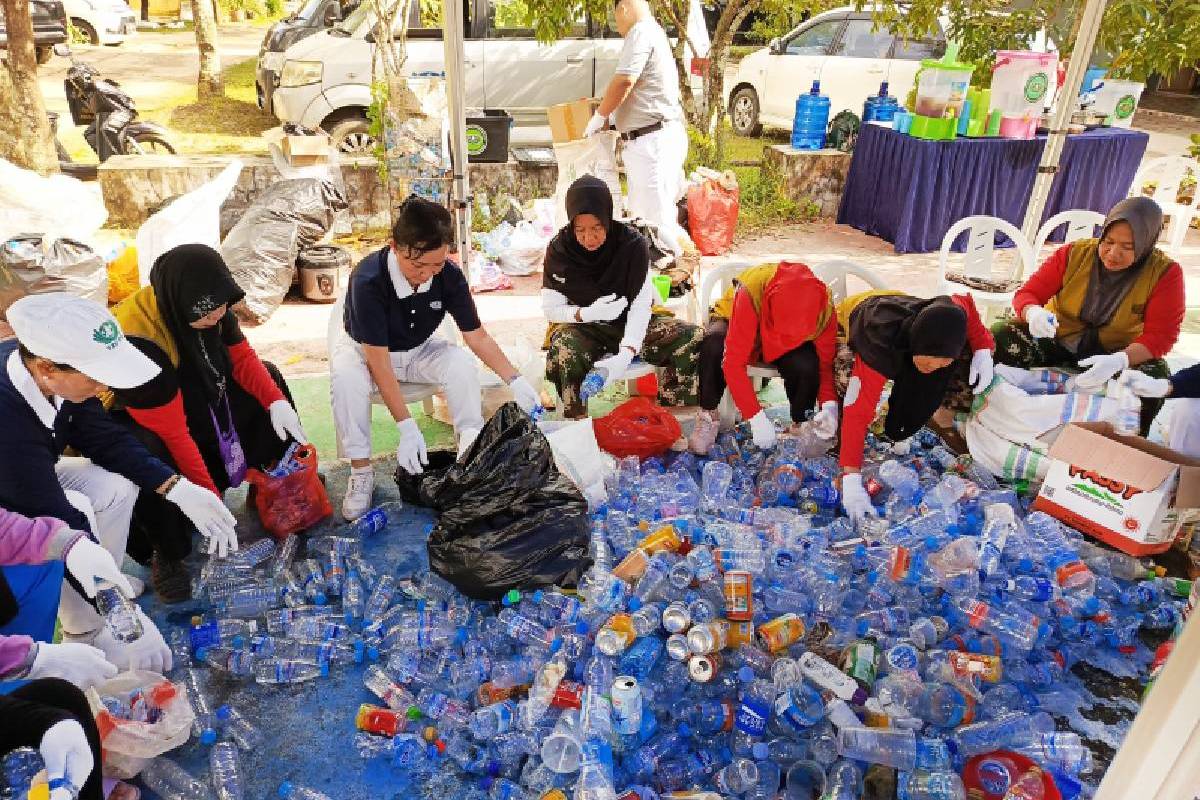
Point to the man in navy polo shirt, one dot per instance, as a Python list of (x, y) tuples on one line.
[(396, 300)]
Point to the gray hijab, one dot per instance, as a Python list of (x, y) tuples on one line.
[(1107, 289)]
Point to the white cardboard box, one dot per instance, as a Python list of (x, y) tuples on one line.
[(1123, 490)]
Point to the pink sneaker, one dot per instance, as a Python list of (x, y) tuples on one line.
[(704, 432)]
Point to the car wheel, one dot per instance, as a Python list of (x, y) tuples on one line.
[(353, 137), (44, 54), (86, 30), (743, 112)]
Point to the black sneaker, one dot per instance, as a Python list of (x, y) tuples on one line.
[(170, 580)]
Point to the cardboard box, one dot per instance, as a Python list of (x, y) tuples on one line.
[(1123, 490), (303, 151), (567, 120)]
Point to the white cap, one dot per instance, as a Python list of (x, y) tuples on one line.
[(81, 334)]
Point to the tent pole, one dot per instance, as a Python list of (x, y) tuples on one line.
[(452, 38), (1085, 42)]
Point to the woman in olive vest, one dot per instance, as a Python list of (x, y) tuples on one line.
[(1101, 305)]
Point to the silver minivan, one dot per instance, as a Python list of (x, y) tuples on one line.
[(325, 78)]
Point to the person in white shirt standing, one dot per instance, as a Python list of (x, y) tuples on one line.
[(643, 100)]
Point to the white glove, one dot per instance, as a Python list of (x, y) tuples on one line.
[(208, 513), (982, 371), (1143, 385), (411, 454), (606, 309), (524, 394), (149, 651), (87, 561), (1101, 369), (1042, 323), (763, 430), (67, 754), (81, 664), (825, 421), (855, 499), (286, 421), (594, 125), (615, 366)]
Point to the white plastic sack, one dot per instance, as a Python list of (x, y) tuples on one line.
[(128, 745), (1010, 430), (58, 206), (525, 250), (595, 155), (577, 455), (192, 218)]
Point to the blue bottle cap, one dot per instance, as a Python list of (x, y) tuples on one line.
[(360, 650), (324, 668), (348, 617), (373, 653), (486, 783), (1025, 565), (321, 599), (538, 596), (872, 576), (684, 729), (200, 651), (208, 736), (286, 789), (1091, 606), (930, 542), (460, 636), (224, 713), (582, 628), (745, 674), (556, 645), (861, 627), (635, 603), (238, 642), (760, 751)]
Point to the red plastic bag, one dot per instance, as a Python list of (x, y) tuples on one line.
[(637, 427), (712, 216), (294, 502)]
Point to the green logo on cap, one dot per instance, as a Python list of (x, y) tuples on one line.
[(108, 334)]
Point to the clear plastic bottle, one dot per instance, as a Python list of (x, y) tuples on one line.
[(1128, 420), (923, 785), (592, 383), (170, 781), (119, 612), (281, 670), (738, 777), (240, 730), (380, 598), (251, 600), (225, 771), (204, 727), (998, 524), (493, 720), (993, 734)]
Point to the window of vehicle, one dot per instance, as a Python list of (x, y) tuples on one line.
[(507, 18), (308, 10), (860, 40), (917, 49), (816, 40), (425, 20)]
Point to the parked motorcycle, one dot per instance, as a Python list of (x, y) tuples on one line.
[(111, 117)]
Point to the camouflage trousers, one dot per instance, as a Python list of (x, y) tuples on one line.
[(1017, 347), (671, 344)]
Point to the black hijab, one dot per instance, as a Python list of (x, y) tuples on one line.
[(190, 281), (619, 266), (886, 331), (1107, 288)]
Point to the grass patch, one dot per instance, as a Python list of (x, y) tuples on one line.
[(229, 124)]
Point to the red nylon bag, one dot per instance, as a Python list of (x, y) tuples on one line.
[(637, 427), (294, 502)]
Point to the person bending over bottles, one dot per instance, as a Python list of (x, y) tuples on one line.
[(930, 349), (1101, 305), (780, 314)]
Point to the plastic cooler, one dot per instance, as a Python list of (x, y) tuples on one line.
[(942, 88), (1021, 83), (1117, 100)]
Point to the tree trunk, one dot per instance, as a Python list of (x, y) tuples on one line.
[(25, 136), (145, 10), (210, 82), (732, 16)]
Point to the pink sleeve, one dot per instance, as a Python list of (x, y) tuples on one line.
[(978, 336), (14, 655), (1164, 313), (858, 416), (1043, 284), (33, 541)]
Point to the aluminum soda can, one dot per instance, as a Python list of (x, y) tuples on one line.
[(704, 667), (626, 696)]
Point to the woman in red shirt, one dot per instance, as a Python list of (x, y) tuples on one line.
[(920, 345), (1101, 305)]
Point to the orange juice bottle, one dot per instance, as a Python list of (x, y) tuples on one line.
[(781, 632), (661, 540)]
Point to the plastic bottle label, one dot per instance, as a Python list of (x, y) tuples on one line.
[(752, 716)]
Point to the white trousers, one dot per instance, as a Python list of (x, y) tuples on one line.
[(106, 499), (1185, 427), (436, 361), (654, 173)]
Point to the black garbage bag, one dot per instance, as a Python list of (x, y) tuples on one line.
[(508, 519)]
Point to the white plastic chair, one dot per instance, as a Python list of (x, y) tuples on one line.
[(1081, 223), (979, 257), (413, 392), (1167, 172), (833, 273)]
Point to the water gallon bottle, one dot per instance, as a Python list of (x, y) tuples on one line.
[(880, 107), (812, 118)]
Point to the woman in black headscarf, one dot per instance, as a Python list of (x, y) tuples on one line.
[(598, 296), (919, 344), (214, 409), (1101, 305)]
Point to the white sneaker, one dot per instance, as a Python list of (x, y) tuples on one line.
[(359, 489), (705, 428)]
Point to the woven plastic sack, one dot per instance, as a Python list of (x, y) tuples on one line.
[(637, 427), (129, 745), (123, 275), (712, 216), (294, 502)]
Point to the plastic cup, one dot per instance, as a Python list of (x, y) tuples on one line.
[(663, 284)]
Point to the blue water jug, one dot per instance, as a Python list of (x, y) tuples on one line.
[(880, 107), (812, 118)]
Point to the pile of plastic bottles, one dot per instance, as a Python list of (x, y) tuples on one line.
[(735, 635)]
